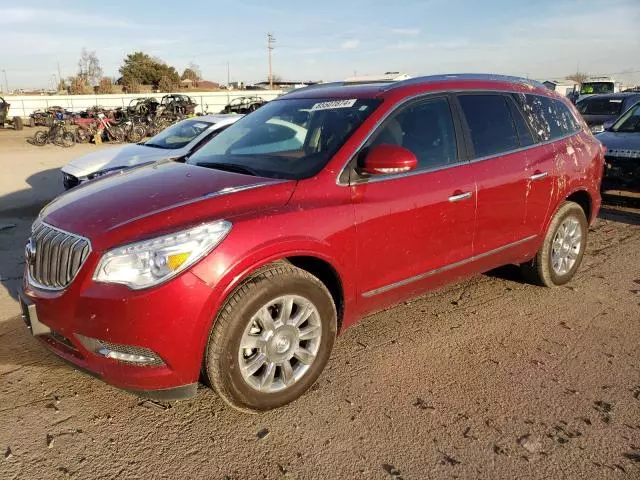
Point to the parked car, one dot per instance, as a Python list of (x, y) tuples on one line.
[(622, 155), (598, 110), (175, 142), (241, 265)]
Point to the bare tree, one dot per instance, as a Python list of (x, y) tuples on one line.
[(106, 85), (578, 77), (89, 67), (78, 86)]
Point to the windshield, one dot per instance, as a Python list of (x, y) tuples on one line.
[(178, 135), (290, 139), (596, 87), (630, 121), (600, 106)]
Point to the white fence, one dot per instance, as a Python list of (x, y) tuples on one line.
[(213, 102)]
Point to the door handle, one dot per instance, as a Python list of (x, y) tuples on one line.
[(460, 196), (538, 176)]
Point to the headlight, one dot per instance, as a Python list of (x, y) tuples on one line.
[(151, 262)]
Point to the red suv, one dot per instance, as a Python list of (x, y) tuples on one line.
[(333, 201)]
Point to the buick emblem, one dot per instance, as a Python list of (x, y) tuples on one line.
[(30, 252)]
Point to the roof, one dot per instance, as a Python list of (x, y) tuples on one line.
[(387, 77), (373, 90)]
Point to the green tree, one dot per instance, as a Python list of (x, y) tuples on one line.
[(139, 68), (168, 84)]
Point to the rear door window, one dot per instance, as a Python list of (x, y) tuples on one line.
[(490, 123)]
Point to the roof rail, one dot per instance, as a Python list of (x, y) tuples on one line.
[(463, 76), (314, 86)]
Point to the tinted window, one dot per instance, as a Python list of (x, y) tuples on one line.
[(565, 118), (490, 124), (549, 118), (600, 106), (426, 128), (524, 132)]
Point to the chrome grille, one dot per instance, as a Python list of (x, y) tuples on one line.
[(55, 256)]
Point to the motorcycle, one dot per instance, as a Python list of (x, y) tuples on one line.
[(57, 134)]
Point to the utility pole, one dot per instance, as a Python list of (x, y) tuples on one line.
[(270, 41), (6, 82), (228, 76)]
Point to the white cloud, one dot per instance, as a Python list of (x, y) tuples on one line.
[(405, 32), (350, 44), (33, 16)]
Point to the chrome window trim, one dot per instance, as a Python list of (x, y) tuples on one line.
[(38, 285), (426, 95), (445, 268)]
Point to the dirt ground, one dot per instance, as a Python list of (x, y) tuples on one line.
[(490, 378)]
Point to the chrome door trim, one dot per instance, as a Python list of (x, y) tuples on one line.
[(422, 276), (460, 197), (538, 176)]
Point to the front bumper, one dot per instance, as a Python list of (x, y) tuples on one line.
[(622, 171), (171, 320)]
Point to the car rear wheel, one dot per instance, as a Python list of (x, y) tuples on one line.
[(272, 339), (561, 253)]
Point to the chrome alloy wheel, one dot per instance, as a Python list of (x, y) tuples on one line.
[(280, 343), (566, 246)]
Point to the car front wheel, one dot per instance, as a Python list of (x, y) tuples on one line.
[(272, 339), (561, 253)]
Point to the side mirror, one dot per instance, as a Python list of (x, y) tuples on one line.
[(608, 124), (388, 159)]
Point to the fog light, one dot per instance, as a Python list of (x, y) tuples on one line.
[(122, 353), (126, 357)]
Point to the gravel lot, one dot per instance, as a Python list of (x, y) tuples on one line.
[(490, 378)]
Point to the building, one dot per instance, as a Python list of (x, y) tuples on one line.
[(563, 87)]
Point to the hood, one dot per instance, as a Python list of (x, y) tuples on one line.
[(121, 156), (620, 140), (160, 197)]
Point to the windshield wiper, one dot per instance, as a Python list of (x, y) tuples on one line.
[(153, 145), (230, 167)]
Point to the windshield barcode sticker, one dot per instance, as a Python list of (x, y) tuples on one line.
[(334, 104)]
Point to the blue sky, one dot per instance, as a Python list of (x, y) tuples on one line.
[(328, 40)]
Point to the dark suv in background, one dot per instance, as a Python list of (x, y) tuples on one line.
[(598, 110)]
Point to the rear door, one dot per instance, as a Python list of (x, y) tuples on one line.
[(552, 124), (499, 168)]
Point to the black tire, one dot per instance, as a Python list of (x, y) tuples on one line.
[(118, 134), (83, 135), (40, 138), (540, 270), (67, 140), (17, 123), (136, 133), (221, 363)]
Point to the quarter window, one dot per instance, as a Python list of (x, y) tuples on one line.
[(549, 118), (490, 124), (426, 129)]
